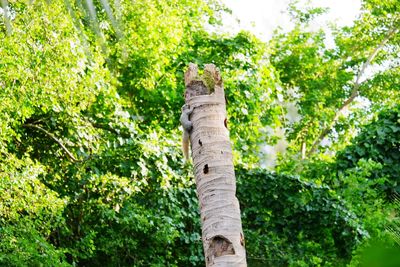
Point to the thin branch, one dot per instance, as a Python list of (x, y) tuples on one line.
[(58, 141), (355, 91), (6, 14)]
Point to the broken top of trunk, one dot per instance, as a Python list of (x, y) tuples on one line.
[(208, 83)]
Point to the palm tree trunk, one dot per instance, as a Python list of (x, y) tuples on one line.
[(222, 234)]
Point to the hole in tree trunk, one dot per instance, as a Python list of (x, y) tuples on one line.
[(219, 246), (205, 169), (195, 88), (200, 143)]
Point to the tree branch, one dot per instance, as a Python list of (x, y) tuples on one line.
[(58, 141), (6, 13), (355, 91)]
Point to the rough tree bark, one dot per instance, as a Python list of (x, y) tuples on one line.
[(222, 234)]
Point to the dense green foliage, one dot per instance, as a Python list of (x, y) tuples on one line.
[(284, 219), (91, 172), (378, 142)]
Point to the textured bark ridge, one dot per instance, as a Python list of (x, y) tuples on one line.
[(222, 234)]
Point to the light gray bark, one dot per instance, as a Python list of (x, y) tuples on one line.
[(222, 234)]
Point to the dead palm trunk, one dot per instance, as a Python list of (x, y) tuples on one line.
[(222, 234)]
